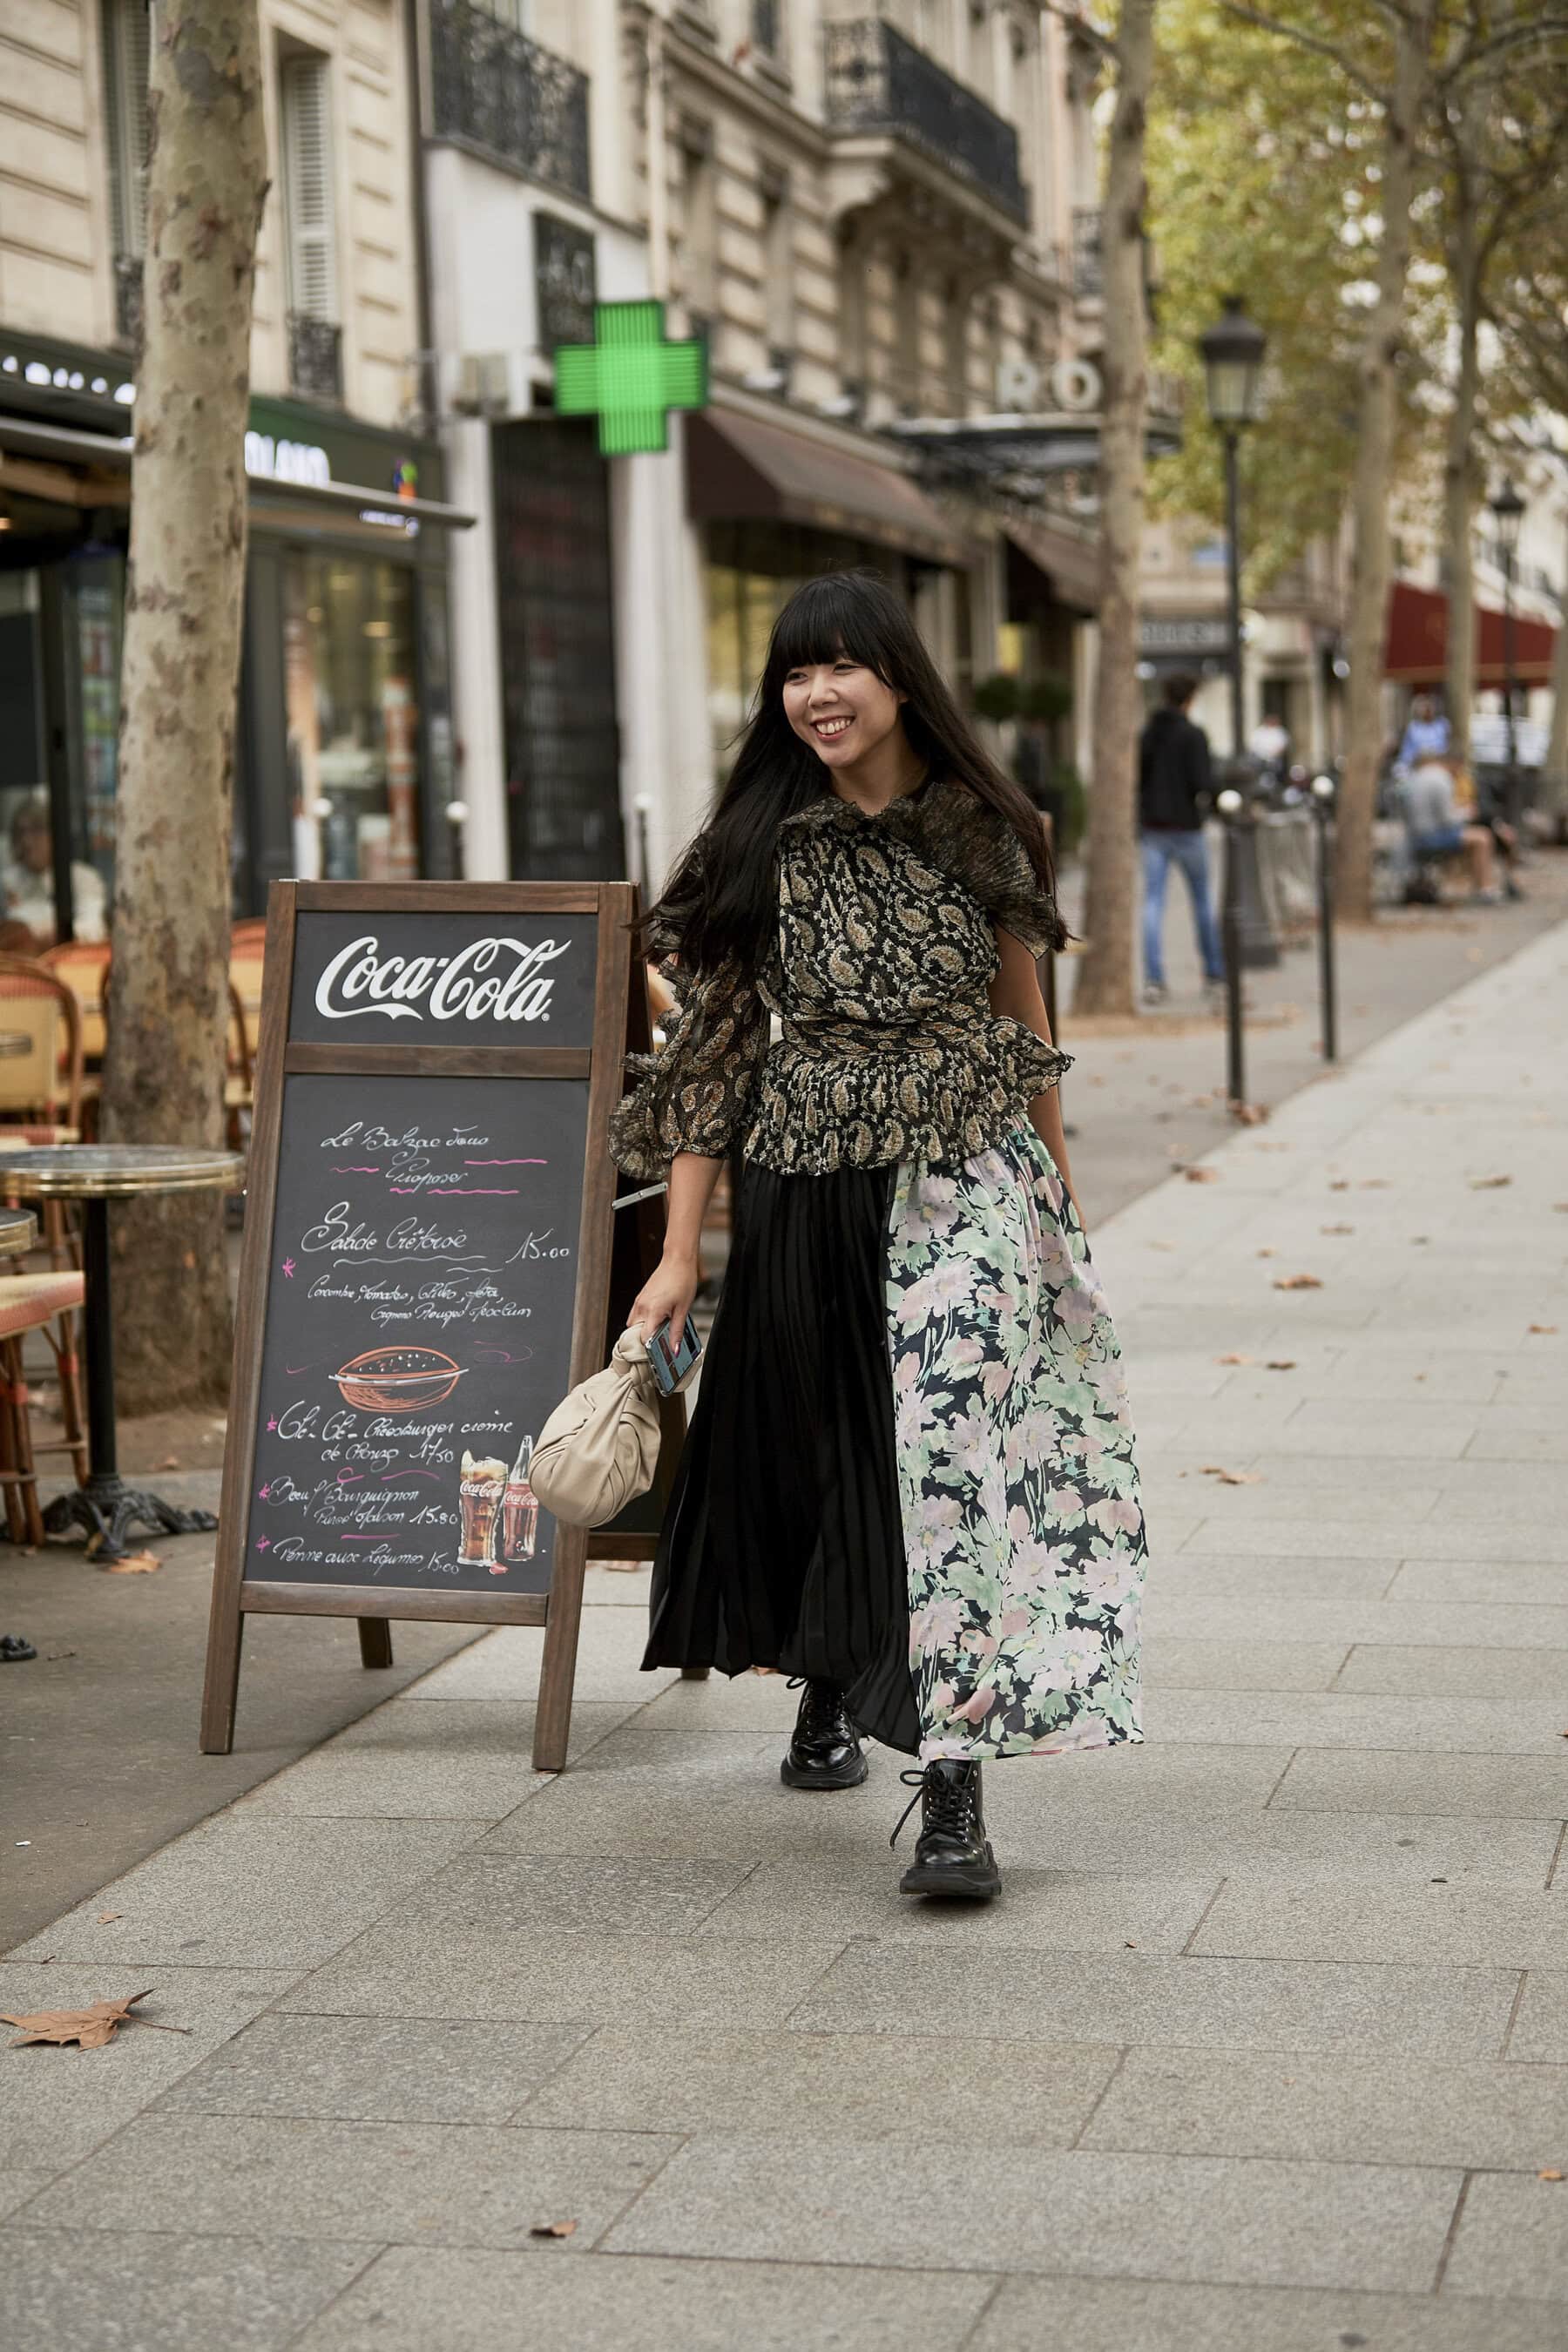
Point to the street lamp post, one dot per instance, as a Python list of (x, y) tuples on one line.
[(1508, 512), (1232, 351)]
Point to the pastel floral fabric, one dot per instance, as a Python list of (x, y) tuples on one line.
[(887, 1046), (1017, 1486)]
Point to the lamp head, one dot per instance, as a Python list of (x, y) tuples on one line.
[(1233, 352)]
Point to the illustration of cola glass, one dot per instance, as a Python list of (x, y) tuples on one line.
[(520, 1509), (479, 1492)]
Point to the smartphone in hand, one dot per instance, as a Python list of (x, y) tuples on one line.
[(671, 1363)]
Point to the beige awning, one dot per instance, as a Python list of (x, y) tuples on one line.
[(1071, 565), (743, 468)]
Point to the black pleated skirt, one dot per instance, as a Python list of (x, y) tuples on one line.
[(782, 1543)]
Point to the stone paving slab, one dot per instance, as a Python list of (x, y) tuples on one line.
[(836, 2086), (1336, 2109), (1127, 2316), (275, 1893), (410, 2301), (76, 2291), (1512, 2240), (1133, 1996), (377, 2070), (52, 2116), (1168, 2216), (427, 2184)]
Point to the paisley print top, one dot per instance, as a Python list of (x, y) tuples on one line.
[(879, 976)]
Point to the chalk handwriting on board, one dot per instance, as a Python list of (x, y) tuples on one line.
[(465, 985)]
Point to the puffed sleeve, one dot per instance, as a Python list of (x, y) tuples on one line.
[(694, 1095), (979, 849)]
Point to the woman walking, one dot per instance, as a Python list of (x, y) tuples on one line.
[(908, 1481)]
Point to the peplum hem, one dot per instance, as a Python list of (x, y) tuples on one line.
[(941, 1097)]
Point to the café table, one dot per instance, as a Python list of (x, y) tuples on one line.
[(19, 1232), (95, 1174)]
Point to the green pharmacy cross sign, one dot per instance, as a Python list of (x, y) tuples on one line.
[(630, 377)]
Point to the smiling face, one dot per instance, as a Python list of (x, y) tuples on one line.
[(841, 709)]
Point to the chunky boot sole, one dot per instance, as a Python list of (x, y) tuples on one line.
[(847, 1775), (979, 1883)]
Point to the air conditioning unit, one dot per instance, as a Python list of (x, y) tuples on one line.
[(484, 383)]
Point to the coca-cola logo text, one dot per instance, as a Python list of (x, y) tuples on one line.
[(489, 979)]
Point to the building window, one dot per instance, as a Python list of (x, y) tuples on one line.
[(778, 275), (698, 221), (127, 56), (310, 225)]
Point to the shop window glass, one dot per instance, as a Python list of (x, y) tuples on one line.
[(353, 719)]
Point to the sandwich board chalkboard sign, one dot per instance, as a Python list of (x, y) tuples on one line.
[(430, 1262)]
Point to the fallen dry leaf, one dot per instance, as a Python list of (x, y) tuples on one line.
[(553, 2229), (1232, 1478), (1235, 1359), (1280, 1364), (89, 2028), (1489, 1183), (135, 1563), (1546, 1330), (1297, 1282), (1201, 1175)]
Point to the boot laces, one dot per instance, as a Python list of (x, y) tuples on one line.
[(949, 1802)]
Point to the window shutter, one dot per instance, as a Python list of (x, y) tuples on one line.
[(308, 188), (127, 59)]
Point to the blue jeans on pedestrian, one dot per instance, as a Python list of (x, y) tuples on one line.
[(1161, 852)]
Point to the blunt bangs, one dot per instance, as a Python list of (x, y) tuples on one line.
[(826, 621)]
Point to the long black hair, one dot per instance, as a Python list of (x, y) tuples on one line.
[(722, 899)]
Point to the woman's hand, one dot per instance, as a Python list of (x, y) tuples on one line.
[(667, 1295)]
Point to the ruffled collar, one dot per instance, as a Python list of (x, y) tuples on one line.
[(830, 809)]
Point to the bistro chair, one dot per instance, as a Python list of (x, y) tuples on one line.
[(246, 943), (35, 1302), (40, 1102)]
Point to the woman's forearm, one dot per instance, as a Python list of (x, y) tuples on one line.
[(692, 1177)]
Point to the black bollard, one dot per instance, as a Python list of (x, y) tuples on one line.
[(1229, 805), (1328, 996)]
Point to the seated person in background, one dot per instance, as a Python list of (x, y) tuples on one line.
[(1436, 828), (1427, 736), (26, 881)]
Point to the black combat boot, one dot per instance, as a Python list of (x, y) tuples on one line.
[(825, 1752), (953, 1855)]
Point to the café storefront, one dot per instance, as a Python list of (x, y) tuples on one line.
[(345, 748)]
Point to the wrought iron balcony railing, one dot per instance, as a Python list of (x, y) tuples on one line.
[(315, 357), (492, 85), (1087, 263), (878, 80)]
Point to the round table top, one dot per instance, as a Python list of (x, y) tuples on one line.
[(14, 1042), (19, 1232), (80, 1171)]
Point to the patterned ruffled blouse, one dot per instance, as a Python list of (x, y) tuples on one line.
[(879, 977)]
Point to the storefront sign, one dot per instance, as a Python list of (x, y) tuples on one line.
[(1199, 633), (429, 1262), (286, 461), (565, 281), (630, 376)]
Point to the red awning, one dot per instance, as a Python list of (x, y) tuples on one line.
[(1418, 643)]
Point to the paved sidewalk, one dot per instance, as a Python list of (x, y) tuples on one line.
[(1264, 2049)]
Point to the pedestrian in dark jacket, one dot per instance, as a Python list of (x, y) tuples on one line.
[(1175, 779)]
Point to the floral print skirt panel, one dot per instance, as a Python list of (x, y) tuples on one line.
[(1017, 1485)]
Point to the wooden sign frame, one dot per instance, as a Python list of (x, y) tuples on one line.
[(620, 1022)]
